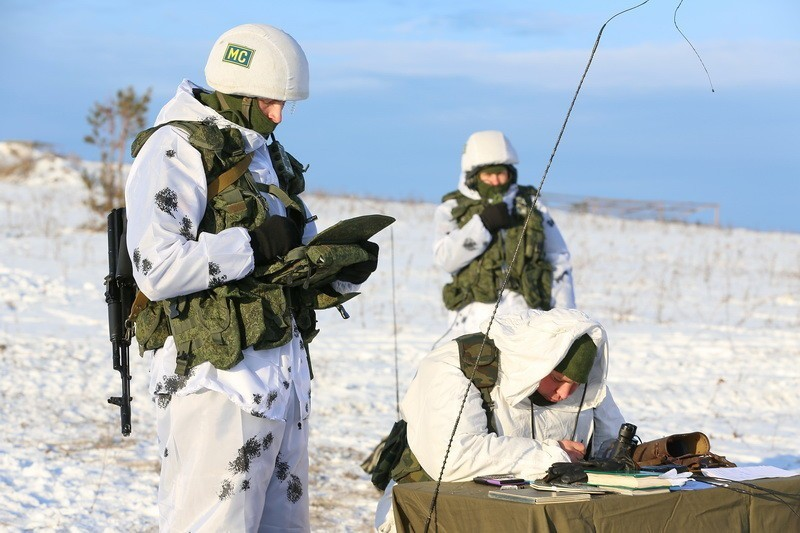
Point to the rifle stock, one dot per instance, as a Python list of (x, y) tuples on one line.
[(120, 292)]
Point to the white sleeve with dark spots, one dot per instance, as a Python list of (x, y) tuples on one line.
[(165, 196), (454, 247)]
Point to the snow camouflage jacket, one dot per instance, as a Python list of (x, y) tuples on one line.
[(456, 246), (479, 360), (216, 323), (436, 391)]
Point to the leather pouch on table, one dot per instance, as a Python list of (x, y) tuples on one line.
[(692, 450)]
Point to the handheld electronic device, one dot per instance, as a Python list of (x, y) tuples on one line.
[(498, 480)]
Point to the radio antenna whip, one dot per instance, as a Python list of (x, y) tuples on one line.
[(675, 21)]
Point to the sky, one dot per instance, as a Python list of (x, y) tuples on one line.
[(707, 340), (398, 86)]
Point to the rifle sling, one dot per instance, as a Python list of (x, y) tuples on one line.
[(220, 183)]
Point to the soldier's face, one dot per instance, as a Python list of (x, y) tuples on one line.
[(556, 387), (494, 178), (273, 109)]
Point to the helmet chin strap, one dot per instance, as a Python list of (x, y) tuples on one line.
[(247, 102)]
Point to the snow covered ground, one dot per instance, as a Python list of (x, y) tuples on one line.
[(704, 329)]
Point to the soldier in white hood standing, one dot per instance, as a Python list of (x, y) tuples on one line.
[(230, 376), (477, 230), (549, 401)]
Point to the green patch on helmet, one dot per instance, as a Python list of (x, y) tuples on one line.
[(238, 55)]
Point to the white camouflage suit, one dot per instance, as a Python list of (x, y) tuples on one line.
[(531, 345), (233, 443), (454, 247)]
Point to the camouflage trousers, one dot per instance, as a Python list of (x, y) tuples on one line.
[(223, 469)]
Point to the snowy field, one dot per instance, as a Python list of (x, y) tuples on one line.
[(703, 324)]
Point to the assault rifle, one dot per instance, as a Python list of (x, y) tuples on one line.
[(120, 293)]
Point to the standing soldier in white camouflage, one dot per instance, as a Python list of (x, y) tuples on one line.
[(478, 227), (211, 206)]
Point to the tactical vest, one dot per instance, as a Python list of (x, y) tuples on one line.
[(480, 281), (216, 324), (401, 461)]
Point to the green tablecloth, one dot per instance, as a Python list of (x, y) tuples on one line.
[(466, 507)]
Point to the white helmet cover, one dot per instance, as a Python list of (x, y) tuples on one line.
[(487, 148), (260, 61)]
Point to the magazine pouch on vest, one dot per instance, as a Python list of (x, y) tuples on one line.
[(216, 324), (237, 203), (152, 327)]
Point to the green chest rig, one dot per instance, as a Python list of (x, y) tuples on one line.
[(396, 460), (216, 324), (480, 281)]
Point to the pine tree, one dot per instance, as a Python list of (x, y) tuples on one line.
[(113, 124)]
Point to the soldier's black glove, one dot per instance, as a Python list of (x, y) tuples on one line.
[(359, 272), (565, 473), (496, 217), (273, 238), (576, 472)]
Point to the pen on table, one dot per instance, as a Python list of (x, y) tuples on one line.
[(509, 487)]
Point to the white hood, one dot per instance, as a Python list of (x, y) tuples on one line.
[(533, 343), (486, 148)]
